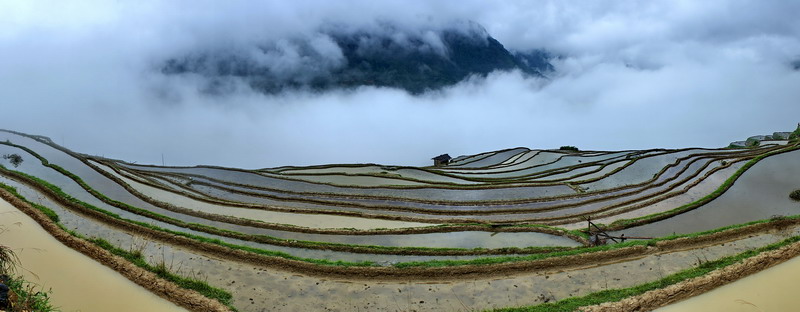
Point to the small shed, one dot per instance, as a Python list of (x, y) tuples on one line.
[(441, 160)]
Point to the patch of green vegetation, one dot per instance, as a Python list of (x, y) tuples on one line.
[(14, 159), (568, 148), (577, 251), (435, 263), (60, 193), (27, 297), (216, 231), (625, 223), (498, 260), (557, 229), (432, 263), (164, 272), (30, 297), (481, 261), (134, 256), (611, 295), (47, 211), (795, 194)]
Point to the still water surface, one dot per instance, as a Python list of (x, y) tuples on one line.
[(774, 289), (78, 282)]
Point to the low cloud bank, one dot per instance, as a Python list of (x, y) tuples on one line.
[(629, 78)]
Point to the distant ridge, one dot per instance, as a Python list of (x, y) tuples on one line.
[(387, 56)]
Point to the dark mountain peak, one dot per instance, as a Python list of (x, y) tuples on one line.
[(536, 59), (386, 55)]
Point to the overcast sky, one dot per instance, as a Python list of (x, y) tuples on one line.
[(633, 75)]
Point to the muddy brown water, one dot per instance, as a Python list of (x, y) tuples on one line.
[(261, 289), (305, 220), (83, 226), (273, 290), (35, 168), (774, 289), (466, 239), (78, 283)]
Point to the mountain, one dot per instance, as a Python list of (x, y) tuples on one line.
[(386, 56)]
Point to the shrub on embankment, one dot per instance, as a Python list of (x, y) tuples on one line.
[(17, 293), (24, 296), (795, 194)]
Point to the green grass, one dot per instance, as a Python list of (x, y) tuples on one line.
[(612, 295), (795, 194), (432, 263), (162, 271), (498, 260), (60, 193), (134, 257), (626, 223), (30, 296), (233, 234), (47, 211), (577, 251), (488, 260)]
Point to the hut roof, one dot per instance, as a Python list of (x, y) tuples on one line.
[(442, 157)]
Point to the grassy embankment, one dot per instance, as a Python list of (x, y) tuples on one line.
[(611, 295), (136, 258), (27, 296), (432, 263)]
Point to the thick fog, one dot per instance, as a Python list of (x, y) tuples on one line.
[(630, 75)]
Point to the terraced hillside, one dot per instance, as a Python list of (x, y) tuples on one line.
[(492, 230)]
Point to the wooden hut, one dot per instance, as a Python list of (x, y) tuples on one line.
[(441, 160)]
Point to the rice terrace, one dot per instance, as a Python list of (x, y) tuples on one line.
[(399, 156), (511, 230)]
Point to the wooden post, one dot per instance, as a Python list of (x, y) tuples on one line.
[(589, 225)]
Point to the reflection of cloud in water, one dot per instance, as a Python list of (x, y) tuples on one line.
[(766, 182)]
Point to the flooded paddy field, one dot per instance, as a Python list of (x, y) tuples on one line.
[(760, 194), (491, 230), (771, 290), (36, 250)]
